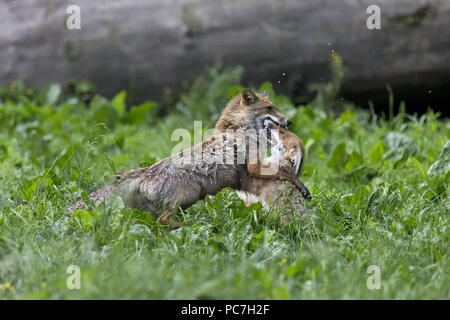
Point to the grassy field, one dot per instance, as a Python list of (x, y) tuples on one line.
[(380, 186)]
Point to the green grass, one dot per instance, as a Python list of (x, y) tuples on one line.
[(380, 186)]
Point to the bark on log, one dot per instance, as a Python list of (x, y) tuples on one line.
[(144, 46)]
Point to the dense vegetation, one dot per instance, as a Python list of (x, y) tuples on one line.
[(380, 186)]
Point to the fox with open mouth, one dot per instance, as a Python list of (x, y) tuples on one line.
[(175, 183)]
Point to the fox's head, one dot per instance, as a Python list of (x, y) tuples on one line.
[(286, 145), (290, 150), (295, 152), (249, 110)]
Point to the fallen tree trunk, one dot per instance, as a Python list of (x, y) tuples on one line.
[(144, 46)]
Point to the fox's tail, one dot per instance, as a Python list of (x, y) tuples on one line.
[(97, 196)]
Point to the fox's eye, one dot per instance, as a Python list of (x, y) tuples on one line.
[(282, 132), (270, 109)]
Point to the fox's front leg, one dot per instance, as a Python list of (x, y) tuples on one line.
[(166, 218), (259, 170), (290, 176)]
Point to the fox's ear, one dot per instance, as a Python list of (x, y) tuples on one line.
[(265, 93), (248, 97)]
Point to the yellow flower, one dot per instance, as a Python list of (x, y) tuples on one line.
[(7, 285), (44, 285), (284, 260), (335, 56)]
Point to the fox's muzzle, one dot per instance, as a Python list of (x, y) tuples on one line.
[(285, 123), (280, 120)]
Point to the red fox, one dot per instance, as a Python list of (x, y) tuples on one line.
[(249, 110), (174, 183), (287, 148)]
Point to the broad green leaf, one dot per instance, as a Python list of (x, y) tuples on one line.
[(347, 117), (139, 229), (442, 165), (354, 160), (376, 154), (339, 158), (118, 103), (138, 114), (83, 219), (103, 112), (234, 90), (52, 94), (400, 146), (3, 152)]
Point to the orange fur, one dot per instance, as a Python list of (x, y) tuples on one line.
[(248, 110), (272, 192)]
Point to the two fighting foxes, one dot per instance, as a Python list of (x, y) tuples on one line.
[(174, 182)]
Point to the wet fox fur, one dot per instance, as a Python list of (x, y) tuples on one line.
[(174, 183), (281, 195)]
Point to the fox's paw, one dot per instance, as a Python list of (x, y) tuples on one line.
[(174, 224)]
